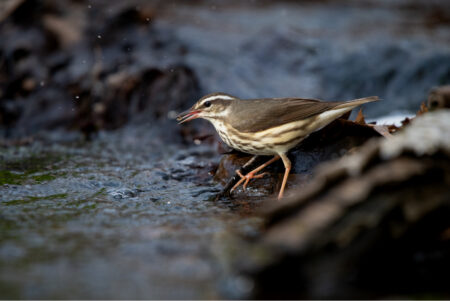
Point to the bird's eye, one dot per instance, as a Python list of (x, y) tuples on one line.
[(207, 104)]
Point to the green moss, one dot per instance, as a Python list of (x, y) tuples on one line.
[(55, 196), (18, 171), (15, 202), (33, 163), (45, 177), (31, 199), (7, 177), (90, 207), (13, 178), (102, 191), (83, 204)]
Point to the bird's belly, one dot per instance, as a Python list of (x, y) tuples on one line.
[(280, 140), (262, 146)]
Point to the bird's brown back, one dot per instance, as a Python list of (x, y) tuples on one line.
[(253, 115)]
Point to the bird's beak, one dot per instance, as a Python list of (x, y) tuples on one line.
[(188, 115)]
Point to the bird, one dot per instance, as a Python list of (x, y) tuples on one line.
[(267, 126)]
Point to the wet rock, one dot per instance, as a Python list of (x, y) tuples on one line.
[(8, 6), (228, 166), (123, 193), (53, 49), (439, 98), (384, 70), (371, 224), (9, 114), (226, 175), (58, 111), (188, 167), (165, 93)]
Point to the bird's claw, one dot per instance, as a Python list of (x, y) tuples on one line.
[(246, 179)]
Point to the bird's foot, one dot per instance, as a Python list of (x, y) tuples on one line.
[(246, 179)]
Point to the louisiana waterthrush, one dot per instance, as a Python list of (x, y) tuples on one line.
[(269, 126)]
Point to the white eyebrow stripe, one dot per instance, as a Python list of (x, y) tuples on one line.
[(219, 96)]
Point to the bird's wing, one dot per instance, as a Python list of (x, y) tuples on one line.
[(254, 115)]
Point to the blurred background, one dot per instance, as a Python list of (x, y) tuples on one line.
[(103, 194), (93, 65)]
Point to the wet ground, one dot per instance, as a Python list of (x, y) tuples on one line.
[(120, 217), (131, 214)]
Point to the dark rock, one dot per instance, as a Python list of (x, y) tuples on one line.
[(109, 86), (391, 72), (170, 90), (371, 224), (123, 193), (439, 98)]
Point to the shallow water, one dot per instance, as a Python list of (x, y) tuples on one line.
[(121, 217)]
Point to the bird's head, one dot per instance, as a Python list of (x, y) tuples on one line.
[(210, 107)]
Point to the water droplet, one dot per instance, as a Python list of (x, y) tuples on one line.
[(77, 97), (99, 36), (242, 285), (147, 19), (172, 114)]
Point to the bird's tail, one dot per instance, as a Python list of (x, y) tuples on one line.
[(356, 102)]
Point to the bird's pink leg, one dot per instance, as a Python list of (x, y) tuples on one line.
[(252, 174), (287, 166)]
